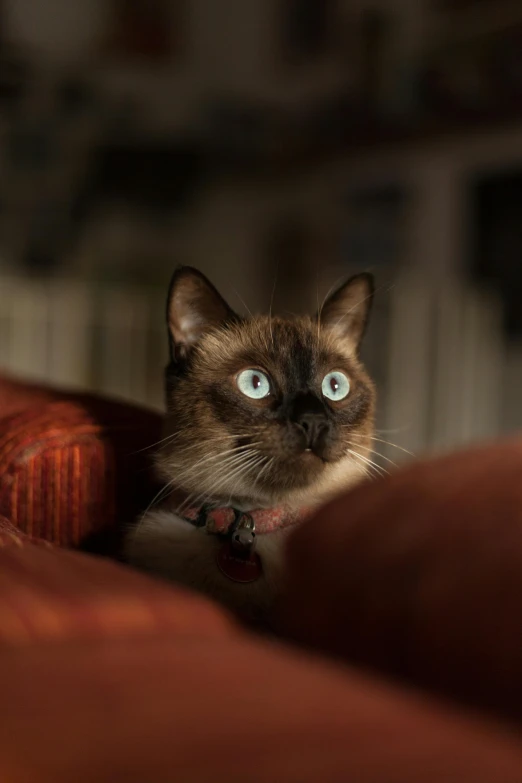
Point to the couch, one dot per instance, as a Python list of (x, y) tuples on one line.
[(398, 656)]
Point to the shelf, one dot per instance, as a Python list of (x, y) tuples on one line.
[(371, 141), (480, 21)]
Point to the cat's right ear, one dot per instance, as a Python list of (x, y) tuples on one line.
[(194, 307), (346, 311)]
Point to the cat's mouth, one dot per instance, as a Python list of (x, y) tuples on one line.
[(298, 469), (310, 454)]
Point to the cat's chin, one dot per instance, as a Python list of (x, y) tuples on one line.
[(306, 481), (330, 479), (304, 475), (284, 488), (309, 461), (301, 470)]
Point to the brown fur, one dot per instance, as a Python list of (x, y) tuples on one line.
[(204, 407), (223, 447)]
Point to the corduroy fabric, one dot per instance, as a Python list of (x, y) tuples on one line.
[(10, 536), (75, 466)]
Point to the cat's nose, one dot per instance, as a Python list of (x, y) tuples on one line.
[(314, 426)]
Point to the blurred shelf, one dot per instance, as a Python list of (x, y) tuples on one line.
[(464, 25), (373, 139)]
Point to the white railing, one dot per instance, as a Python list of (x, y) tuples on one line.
[(441, 368), (111, 339), (446, 354)]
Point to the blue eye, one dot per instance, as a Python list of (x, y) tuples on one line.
[(253, 384), (335, 386)]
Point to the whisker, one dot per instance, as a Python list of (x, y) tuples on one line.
[(395, 446), (178, 434), (382, 456), (394, 431), (381, 471), (158, 442), (252, 462), (156, 499), (266, 468), (378, 467), (247, 308), (240, 474), (214, 439), (230, 463), (220, 455), (194, 498), (387, 442), (367, 471), (271, 306)]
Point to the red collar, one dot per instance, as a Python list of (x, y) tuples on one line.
[(226, 520)]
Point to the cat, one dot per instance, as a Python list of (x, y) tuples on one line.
[(267, 418)]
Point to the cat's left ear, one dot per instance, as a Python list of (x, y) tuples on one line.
[(194, 307), (347, 309)]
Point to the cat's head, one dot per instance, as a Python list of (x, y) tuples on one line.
[(264, 410)]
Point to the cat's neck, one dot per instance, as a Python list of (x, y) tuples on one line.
[(180, 499)]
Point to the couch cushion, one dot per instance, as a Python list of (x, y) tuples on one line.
[(420, 575), (226, 710), (49, 594), (16, 396), (11, 536), (73, 466)]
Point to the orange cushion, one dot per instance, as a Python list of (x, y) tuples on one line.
[(48, 594), (420, 575), (72, 466), (227, 710), (16, 396)]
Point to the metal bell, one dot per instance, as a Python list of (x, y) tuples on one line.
[(244, 537)]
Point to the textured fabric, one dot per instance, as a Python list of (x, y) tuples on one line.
[(225, 710), (420, 576), (73, 467), (48, 594), (107, 675), (11, 536)]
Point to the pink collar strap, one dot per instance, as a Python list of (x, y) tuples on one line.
[(236, 556), (224, 521)]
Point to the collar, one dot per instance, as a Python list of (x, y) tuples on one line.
[(236, 556), (226, 520)]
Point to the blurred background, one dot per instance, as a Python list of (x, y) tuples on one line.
[(277, 145)]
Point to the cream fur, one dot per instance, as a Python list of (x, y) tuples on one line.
[(170, 547)]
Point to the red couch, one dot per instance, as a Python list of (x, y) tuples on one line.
[(402, 660)]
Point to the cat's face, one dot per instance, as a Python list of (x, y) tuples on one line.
[(264, 410)]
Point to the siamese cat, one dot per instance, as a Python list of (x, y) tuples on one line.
[(266, 418)]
